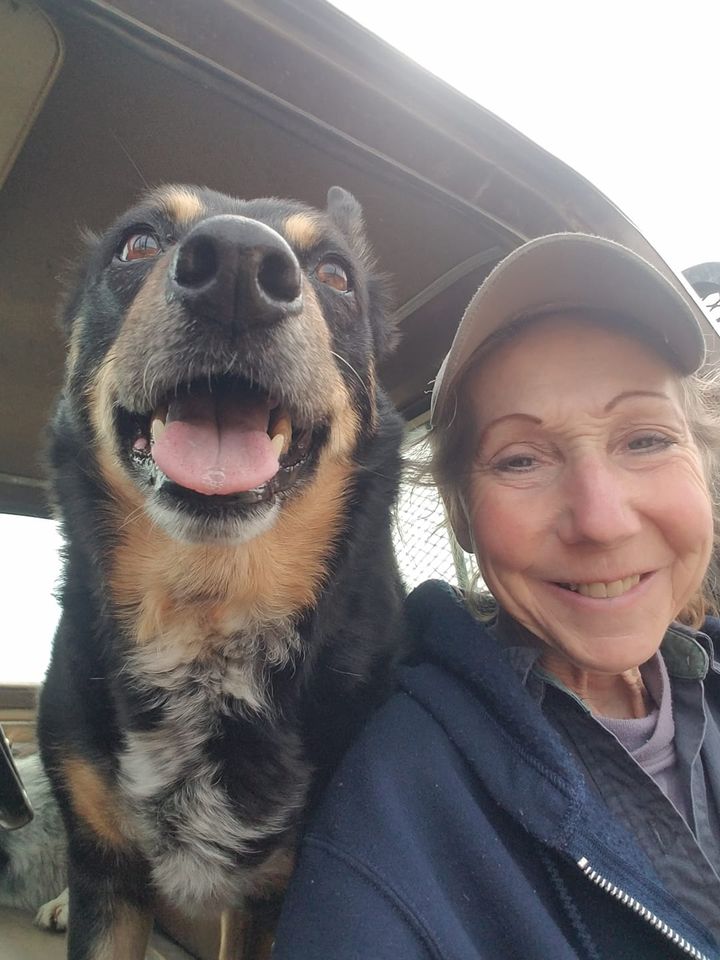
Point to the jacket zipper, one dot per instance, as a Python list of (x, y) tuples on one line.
[(640, 910)]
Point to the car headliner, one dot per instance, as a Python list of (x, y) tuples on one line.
[(285, 98)]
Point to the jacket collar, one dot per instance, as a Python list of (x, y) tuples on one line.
[(467, 683), (685, 654)]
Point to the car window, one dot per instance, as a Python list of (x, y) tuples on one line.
[(29, 572), (30, 566)]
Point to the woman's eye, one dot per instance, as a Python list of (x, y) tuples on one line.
[(334, 275), (142, 245), (650, 441), (515, 464)]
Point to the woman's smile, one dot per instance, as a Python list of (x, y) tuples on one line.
[(603, 589), (599, 593)]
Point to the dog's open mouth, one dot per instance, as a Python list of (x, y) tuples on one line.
[(219, 437)]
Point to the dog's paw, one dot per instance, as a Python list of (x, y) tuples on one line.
[(54, 914)]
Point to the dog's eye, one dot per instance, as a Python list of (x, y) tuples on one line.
[(139, 246), (334, 275)]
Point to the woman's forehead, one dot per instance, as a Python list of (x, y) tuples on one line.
[(566, 362)]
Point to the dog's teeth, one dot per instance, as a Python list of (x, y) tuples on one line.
[(281, 434), (278, 444), (157, 428)]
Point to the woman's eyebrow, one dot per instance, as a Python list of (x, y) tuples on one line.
[(509, 416), (625, 395), (628, 394)]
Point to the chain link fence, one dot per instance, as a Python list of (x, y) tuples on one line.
[(424, 543)]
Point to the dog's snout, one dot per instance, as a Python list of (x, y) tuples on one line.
[(238, 272)]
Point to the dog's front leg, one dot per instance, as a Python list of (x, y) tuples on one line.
[(248, 933), (233, 934), (245, 934), (110, 916)]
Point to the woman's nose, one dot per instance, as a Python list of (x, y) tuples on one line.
[(598, 504)]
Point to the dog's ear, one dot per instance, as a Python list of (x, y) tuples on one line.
[(346, 213)]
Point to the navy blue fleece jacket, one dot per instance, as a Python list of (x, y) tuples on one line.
[(459, 827)]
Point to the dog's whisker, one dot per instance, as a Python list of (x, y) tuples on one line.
[(146, 370), (347, 673), (131, 516), (352, 368), (376, 473), (130, 159)]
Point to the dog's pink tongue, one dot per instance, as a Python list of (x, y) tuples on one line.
[(216, 444)]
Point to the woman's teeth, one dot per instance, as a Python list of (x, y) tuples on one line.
[(602, 591)]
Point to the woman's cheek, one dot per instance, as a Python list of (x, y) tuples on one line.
[(502, 527), (686, 513)]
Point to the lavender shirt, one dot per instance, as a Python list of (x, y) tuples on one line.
[(650, 740)]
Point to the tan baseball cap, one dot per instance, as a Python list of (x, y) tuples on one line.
[(575, 271)]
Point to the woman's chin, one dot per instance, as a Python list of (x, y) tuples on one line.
[(605, 635)]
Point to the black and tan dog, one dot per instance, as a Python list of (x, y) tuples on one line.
[(224, 465)]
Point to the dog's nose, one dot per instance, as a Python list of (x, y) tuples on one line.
[(236, 272)]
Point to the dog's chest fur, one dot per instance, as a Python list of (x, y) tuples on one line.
[(194, 726)]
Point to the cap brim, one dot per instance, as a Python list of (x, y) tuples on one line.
[(569, 271)]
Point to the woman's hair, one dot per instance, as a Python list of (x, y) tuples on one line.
[(452, 445)]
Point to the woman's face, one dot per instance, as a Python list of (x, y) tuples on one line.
[(587, 504)]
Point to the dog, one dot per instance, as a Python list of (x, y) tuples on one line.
[(223, 464), (33, 860)]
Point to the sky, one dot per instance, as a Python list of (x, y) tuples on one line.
[(627, 93)]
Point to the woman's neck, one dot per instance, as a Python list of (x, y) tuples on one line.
[(622, 695)]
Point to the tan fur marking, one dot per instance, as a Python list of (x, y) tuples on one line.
[(270, 880), (233, 935), (193, 596), (313, 329), (94, 802), (262, 946), (102, 401), (127, 938), (103, 393), (301, 230), (149, 302), (243, 935), (182, 205)]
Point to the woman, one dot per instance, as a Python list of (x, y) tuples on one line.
[(546, 782)]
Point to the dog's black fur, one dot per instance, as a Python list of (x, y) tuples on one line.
[(216, 650)]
